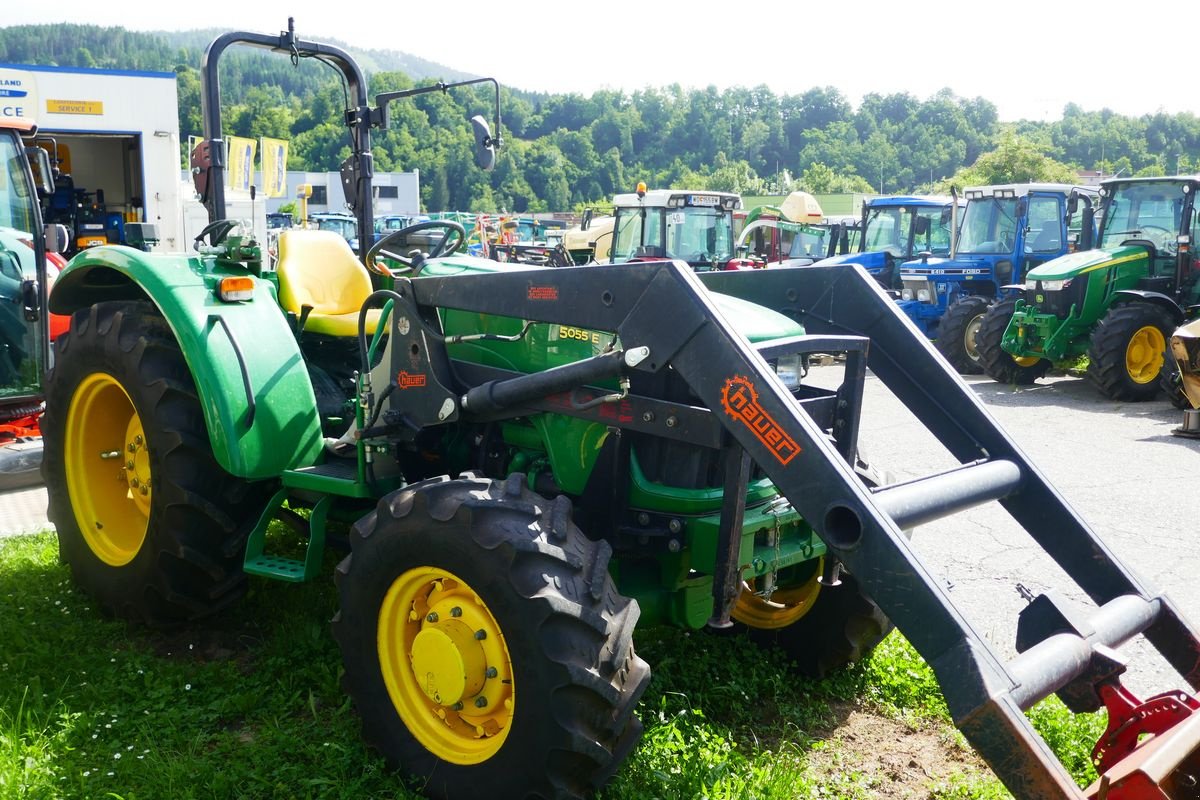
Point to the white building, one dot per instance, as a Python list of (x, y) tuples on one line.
[(116, 133)]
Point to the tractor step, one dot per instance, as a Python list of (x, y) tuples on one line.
[(339, 476), (284, 568)]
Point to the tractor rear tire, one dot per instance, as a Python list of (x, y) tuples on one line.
[(149, 523), (958, 334), (535, 696), (1125, 357), (841, 627), (999, 364)]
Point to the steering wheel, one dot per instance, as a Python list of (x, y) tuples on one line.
[(1166, 233), (452, 239)]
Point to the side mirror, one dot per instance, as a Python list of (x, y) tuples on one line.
[(947, 214), (56, 238), (43, 173), (1022, 207), (31, 306), (485, 145), (921, 225), (1073, 203)]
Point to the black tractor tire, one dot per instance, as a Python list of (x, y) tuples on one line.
[(958, 334), (575, 679), (842, 627), (1124, 349), (997, 363), (179, 553), (1170, 381)]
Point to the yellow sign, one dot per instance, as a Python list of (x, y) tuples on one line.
[(93, 107), (274, 166), (241, 162)]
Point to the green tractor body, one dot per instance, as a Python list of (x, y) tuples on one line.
[(532, 462), (1116, 304)]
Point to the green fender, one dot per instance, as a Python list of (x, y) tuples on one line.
[(283, 431)]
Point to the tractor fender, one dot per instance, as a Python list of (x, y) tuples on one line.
[(1157, 298), (251, 377)]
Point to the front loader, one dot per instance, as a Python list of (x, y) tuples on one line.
[(535, 461)]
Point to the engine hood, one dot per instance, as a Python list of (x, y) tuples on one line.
[(1073, 264), (869, 261)]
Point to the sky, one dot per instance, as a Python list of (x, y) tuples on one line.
[(1029, 58)]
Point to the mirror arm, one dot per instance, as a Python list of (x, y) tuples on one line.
[(379, 114)]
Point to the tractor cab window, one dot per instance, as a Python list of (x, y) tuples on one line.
[(932, 234), (1044, 225), (699, 235), (20, 341), (809, 243), (1146, 212), (887, 230), (989, 226), (637, 228)]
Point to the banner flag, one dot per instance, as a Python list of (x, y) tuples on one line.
[(274, 166), (241, 162)]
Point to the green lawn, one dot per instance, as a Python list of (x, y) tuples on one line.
[(248, 705)]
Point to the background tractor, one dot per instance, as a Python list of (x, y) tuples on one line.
[(534, 461), (1117, 304), (794, 234), (1006, 231), (897, 229), (696, 227)]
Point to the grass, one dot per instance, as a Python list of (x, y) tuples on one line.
[(249, 705)]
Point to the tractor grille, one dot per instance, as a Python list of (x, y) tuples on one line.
[(1057, 301)]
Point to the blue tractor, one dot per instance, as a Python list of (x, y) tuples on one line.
[(895, 230), (1006, 231)]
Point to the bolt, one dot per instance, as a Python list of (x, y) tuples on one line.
[(133, 482), (643, 518), (491, 672), (145, 489), (433, 617), (456, 612), (672, 422), (480, 702), (129, 464), (138, 439), (481, 634), (675, 526), (457, 706), (648, 416), (674, 546), (132, 447)]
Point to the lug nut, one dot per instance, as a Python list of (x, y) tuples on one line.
[(145, 489), (456, 612), (433, 617), (480, 702), (480, 634), (457, 706), (491, 672)]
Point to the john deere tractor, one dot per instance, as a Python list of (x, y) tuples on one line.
[(1117, 303), (534, 461)]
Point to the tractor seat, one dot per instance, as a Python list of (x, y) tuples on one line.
[(318, 269)]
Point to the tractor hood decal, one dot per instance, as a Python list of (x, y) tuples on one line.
[(1073, 264), (941, 266)]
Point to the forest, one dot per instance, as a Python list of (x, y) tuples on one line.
[(567, 151)]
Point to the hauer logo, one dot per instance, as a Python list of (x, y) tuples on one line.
[(740, 400), (408, 380)]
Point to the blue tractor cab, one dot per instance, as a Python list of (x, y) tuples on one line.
[(1006, 231), (897, 229)]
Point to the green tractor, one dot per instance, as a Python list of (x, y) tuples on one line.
[(1117, 304), (533, 462)]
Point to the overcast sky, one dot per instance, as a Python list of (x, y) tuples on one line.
[(1029, 58)]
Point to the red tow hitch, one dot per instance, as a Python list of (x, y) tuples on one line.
[(1151, 749)]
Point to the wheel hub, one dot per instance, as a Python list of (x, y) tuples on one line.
[(1144, 354), (448, 663)]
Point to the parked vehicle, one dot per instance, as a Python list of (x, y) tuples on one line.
[(692, 226), (342, 223), (1117, 303), (897, 229), (794, 234), (629, 445), (1006, 231)]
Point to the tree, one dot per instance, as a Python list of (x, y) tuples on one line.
[(1015, 160)]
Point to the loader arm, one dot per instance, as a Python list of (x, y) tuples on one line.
[(862, 527)]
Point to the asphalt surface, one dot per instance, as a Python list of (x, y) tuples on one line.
[(1117, 464)]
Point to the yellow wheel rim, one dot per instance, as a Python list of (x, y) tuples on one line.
[(786, 605), (446, 665), (1144, 354), (1026, 361), (108, 469)]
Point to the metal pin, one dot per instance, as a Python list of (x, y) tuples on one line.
[(107, 454)]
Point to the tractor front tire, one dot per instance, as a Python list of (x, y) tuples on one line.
[(999, 364), (149, 523), (1125, 357), (842, 626), (485, 646), (958, 334)]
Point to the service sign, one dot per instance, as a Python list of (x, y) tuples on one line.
[(18, 95)]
